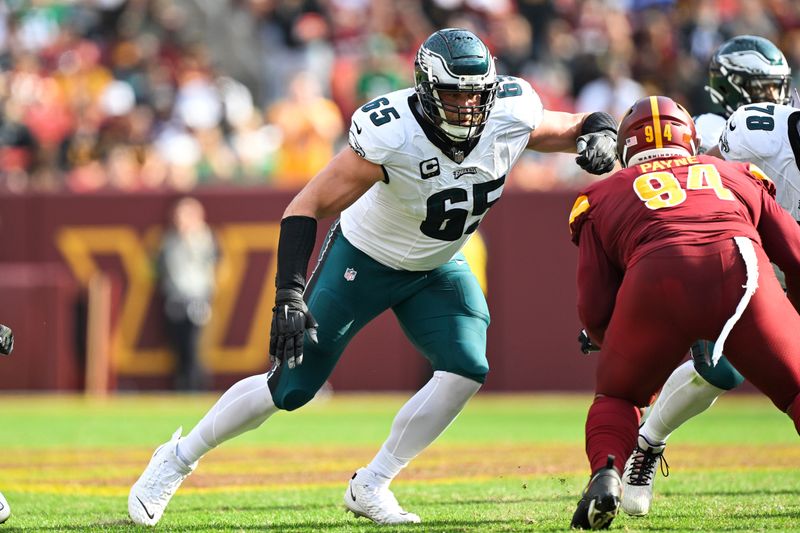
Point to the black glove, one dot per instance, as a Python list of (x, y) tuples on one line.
[(586, 343), (6, 340), (597, 152), (290, 320)]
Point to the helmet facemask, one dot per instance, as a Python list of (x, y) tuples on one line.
[(456, 97), (732, 90), (459, 122)]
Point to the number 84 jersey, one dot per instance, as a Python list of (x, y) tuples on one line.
[(767, 135), (433, 195)]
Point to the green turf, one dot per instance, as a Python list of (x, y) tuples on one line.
[(724, 497)]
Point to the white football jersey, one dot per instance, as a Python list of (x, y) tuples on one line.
[(709, 128), (767, 135), (429, 204)]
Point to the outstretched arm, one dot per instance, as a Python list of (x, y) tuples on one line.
[(592, 135), (557, 132)]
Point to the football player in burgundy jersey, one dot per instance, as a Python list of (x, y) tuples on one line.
[(674, 248), (747, 75)]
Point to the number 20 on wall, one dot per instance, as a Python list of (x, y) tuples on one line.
[(662, 189)]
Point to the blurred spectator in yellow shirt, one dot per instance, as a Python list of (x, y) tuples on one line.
[(310, 124)]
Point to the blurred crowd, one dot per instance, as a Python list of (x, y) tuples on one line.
[(138, 95)]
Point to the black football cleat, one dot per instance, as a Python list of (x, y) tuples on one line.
[(600, 501)]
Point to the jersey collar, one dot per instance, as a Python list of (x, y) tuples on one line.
[(457, 152)]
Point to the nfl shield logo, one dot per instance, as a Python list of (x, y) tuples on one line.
[(350, 274)]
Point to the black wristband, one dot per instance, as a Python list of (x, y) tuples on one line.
[(598, 121), (296, 242)]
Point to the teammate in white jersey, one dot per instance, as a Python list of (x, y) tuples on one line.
[(423, 167), (767, 134), (744, 70)]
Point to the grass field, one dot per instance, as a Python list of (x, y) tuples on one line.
[(509, 463)]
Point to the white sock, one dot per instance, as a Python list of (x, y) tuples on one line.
[(423, 418), (245, 406), (685, 395)]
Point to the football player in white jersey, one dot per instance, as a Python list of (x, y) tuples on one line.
[(767, 135), (744, 70), (423, 167)]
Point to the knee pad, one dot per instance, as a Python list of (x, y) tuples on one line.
[(723, 375), (289, 390), (292, 399), (465, 360), (477, 373)]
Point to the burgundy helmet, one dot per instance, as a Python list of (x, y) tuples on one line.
[(655, 127)]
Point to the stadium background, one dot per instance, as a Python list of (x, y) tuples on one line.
[(112, 109)]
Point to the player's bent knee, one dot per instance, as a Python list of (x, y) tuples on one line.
[(639, 398), (458, 385), (794, 412), (473, 372), (292, 399), (722, 375)]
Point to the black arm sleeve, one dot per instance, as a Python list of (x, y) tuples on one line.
[(598, 121), (296, 242)]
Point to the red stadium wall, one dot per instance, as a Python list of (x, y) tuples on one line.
[(53, 244)]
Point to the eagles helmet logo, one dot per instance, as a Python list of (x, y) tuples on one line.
[(355, 146)]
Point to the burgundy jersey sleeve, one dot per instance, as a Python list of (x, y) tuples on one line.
[(598, 283)]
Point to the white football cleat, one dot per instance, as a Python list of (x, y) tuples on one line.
[(5, 510), (151, 493), (639, 475), (366, 497)]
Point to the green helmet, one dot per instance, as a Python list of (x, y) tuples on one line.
[(455, 60), (748, 69)]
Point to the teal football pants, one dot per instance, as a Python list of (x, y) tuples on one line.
[(723, 375), (443, 312)]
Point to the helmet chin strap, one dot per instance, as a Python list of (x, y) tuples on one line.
[(718, 99), (455, 133)]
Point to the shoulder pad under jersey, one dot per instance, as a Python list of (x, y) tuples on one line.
[(378, 128), (709, 128), (751, 132), (517, 104)]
